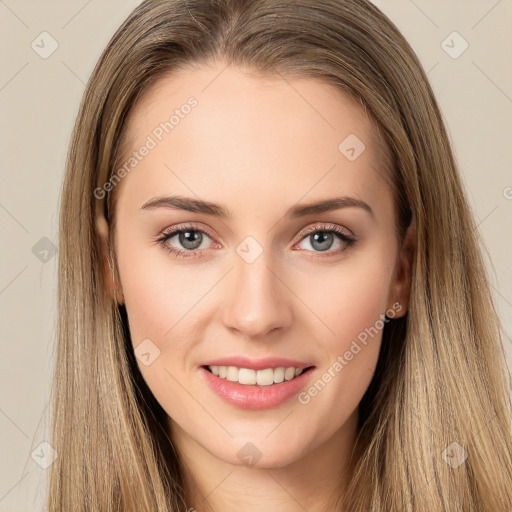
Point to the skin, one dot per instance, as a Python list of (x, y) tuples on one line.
[(257, 146)]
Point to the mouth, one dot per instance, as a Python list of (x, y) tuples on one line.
[(257, 378), (255, 389)]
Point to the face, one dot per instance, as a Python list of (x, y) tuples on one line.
[(268, 284)]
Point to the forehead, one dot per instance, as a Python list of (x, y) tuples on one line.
[(252, 137)]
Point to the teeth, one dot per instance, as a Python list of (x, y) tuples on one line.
[(247, 376)]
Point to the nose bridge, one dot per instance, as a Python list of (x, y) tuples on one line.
[(258, 301)]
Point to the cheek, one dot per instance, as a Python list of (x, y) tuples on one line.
[(157, 293), (347, 299), (351, 301), (161, 301)]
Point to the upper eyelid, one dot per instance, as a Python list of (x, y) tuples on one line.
[(325, 227), (174, 230)]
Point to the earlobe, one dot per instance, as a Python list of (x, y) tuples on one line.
[(106, 264), (400, 290)]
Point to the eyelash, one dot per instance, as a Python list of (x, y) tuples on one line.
[(324, 228)]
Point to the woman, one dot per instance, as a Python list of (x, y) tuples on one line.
[(270, 287)]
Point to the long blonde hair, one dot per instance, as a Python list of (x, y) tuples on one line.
[(441, 376)]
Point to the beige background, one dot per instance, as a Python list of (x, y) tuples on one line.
[(39, 99)]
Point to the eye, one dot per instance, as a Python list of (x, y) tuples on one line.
[(190, 237), (321, 239)]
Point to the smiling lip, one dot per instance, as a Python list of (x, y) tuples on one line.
[(256, 397), (258, 364)]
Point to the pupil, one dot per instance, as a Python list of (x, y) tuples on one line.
[(322, 237)]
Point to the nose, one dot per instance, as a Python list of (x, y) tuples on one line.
[(258, 301)]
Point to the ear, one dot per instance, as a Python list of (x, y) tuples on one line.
[(399, 292), (109, 273)]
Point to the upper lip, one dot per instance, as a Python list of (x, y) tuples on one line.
[(258, 364)]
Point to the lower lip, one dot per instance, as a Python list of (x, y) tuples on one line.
[(256, 397)]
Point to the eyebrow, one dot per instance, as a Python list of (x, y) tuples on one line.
[(199, 206)]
